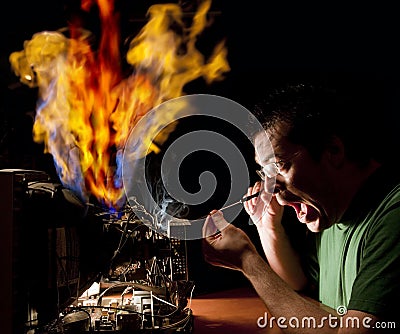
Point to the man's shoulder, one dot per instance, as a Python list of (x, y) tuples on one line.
[(384, 194)]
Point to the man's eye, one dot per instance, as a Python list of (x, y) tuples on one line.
[(281, 164)]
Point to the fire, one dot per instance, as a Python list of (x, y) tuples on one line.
[(87, 107)]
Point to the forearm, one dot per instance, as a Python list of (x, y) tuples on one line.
[(281, 300), (232, 248), (282, 258)]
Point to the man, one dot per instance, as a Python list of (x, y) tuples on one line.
[(320, 156)]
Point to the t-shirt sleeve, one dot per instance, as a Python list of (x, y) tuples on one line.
[(376, 289)]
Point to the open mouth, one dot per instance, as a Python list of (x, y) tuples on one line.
[(305, 213)]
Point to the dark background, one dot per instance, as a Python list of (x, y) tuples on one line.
[(268, 42)]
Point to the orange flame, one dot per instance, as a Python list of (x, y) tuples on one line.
[(86, 108)]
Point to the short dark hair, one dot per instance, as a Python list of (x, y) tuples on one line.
[(314, 112)]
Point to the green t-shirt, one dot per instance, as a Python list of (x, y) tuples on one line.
[(358, 259)]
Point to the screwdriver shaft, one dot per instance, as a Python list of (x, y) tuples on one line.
[(244, 199)]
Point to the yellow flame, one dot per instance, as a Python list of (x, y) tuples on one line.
[(86, 109)]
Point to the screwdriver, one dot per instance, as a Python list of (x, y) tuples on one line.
[(241, 201), (244, 199)]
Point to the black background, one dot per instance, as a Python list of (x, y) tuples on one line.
[(268, 42)]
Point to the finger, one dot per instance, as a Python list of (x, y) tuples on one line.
[(249, 204), (247, 207), (274, 208), (250, 207), (256, 188), (219, 220), (249, 191), (209, 227)]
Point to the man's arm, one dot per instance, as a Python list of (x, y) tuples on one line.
[(233, 249), (281, 256), (283, 302)]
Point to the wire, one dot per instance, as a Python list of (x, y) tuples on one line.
[(122, 242), (123, 309), (190, 298), (186, 319), (164, 301)]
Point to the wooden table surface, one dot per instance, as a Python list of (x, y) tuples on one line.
[(231, 311)]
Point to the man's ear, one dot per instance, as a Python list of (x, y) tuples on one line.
[(335, 151)]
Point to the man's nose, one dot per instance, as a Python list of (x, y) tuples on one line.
[(272, 185)]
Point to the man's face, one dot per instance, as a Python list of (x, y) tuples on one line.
[(304, 184)]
